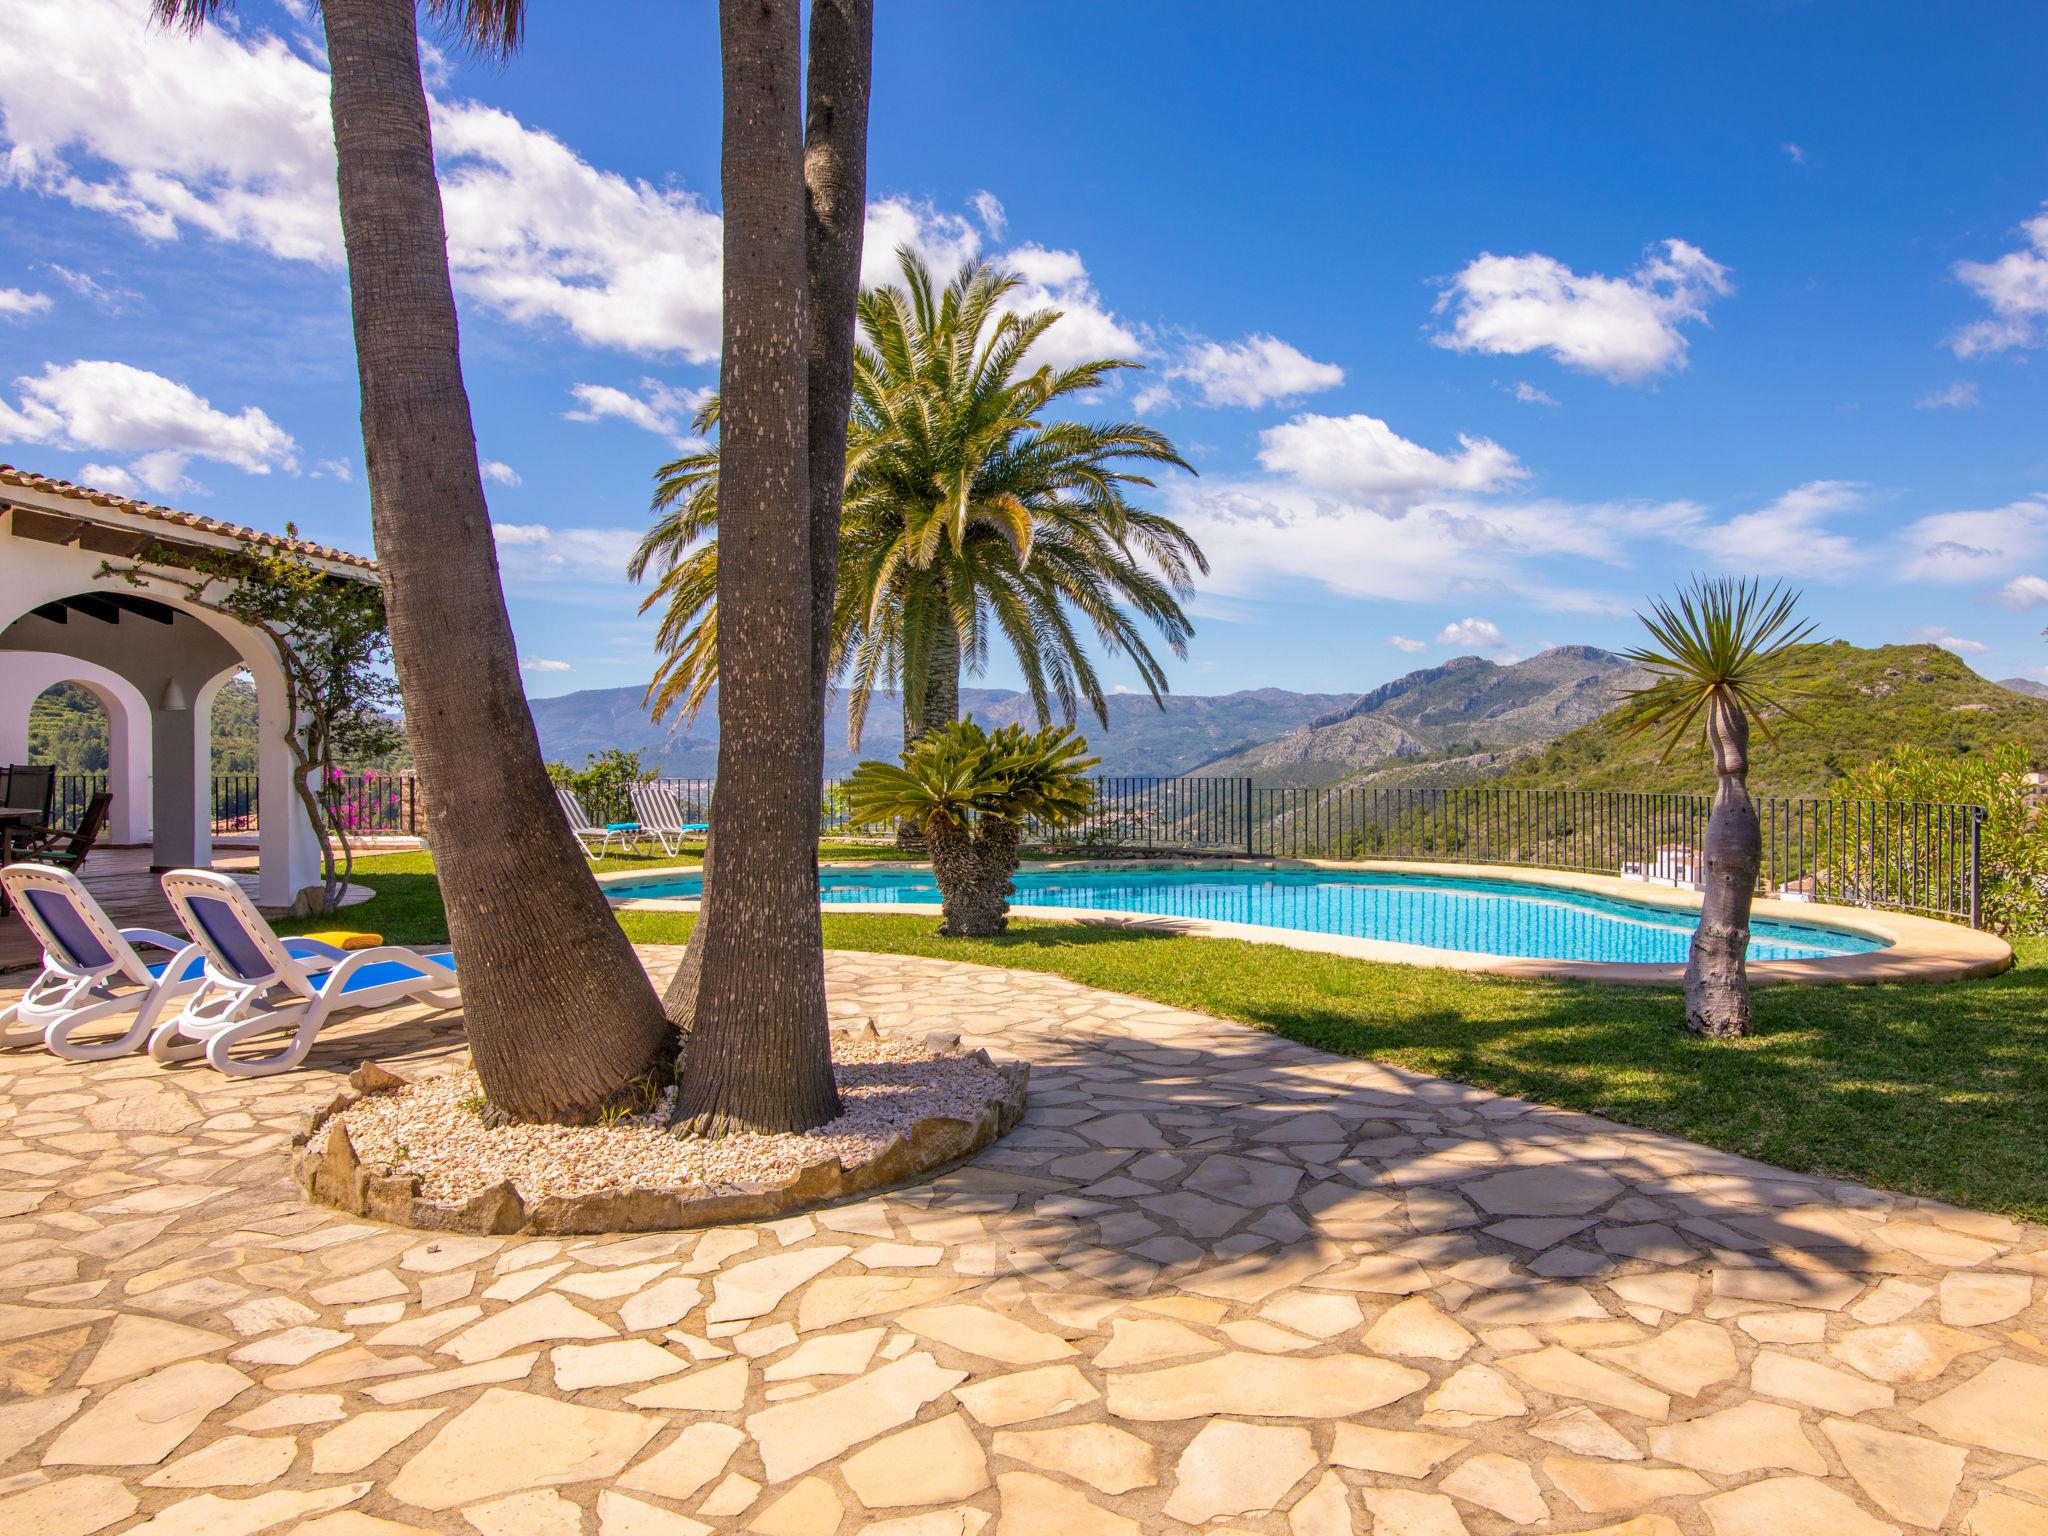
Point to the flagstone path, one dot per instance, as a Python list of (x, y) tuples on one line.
[(1216, 1281)]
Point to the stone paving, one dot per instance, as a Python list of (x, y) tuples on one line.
[(1215, 1282)]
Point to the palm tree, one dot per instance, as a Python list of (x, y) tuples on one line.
[(752, 990), (561, 1019), (970, 513), (970, 793), (1720, 652)]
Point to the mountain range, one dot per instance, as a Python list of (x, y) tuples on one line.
[(1526, 722), (1141, 737)]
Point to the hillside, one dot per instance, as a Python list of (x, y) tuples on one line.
[(1466, 706), (1141, 739), (1855, 704)]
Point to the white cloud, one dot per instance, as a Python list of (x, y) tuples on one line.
[(2016, 288), (115, 408), (1362, 456), (1794, 153), (659, 408), (1473, 634), (1260, 370), (108, 477), (543, 664), (1087, 329), (1790, 537), (113, 300), (1935, 635), (1403, 643), (1529, 394), (539, 552), (1953, 397), (499, 473), (226, 133), (944, 240), (1974, 546), (335, 469), (2024, 592), (989, 209), (1264, 531), (1625, 328), (14, 304)]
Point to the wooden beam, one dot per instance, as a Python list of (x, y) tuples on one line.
[(127, 543), (54, 612), (143, 607), (93, 608), (46, 527)]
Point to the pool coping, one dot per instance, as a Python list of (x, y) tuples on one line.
[(1921, 949)]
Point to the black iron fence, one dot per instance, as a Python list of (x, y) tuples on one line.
[(1915, 856)]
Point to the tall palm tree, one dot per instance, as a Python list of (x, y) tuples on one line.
[(752, 992), (1720, 652), (561, 1018), (971, 513)]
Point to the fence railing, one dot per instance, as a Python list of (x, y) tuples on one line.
[(1915, 856)]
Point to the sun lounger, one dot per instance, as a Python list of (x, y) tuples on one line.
[(256, 986), (583, 829)]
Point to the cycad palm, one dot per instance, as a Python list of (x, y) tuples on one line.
[(968, 516)]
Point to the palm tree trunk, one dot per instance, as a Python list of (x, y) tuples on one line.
[(760, 1051), (937, 708), (835, 183), (559, 1013), (1717, 974)]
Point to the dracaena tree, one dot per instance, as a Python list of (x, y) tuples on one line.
[(562, 1021), (1718, 654), (971, 793)]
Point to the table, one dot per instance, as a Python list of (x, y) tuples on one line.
[(10, 818)]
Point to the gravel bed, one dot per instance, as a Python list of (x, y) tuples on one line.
[(432, 1129)]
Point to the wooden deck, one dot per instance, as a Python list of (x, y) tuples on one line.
[(120, 879)]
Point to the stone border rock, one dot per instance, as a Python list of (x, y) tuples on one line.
[(325, 1165)]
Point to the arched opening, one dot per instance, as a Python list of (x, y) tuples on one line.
[(236, 756), (68, 729)]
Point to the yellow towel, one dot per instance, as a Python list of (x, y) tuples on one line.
[(341, 938)]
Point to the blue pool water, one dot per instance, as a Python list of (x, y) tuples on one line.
[(1496, 917)]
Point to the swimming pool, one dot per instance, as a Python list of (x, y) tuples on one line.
[(1498, 917)]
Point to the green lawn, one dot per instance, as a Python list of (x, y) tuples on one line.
[(1930, 1090)]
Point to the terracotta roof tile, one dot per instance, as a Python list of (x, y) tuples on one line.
[(29, 480)]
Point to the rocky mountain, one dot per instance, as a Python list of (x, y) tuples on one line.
[(2026, 685), (1141, 738), (1467, 708)]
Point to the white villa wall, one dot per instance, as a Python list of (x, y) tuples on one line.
[(200, 656)]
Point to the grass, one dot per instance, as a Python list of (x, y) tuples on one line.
[(1927, 1090)]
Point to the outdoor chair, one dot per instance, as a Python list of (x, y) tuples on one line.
[(255, 985), (659, 810), (65, 850), (30, 787), (583, 829), (91, 970)]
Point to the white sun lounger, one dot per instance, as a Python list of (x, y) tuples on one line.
[(91, 971), (583, 829), (659, 810), (256, 986)]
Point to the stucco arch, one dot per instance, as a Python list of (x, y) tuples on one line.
[(28, 675), (202, 656)]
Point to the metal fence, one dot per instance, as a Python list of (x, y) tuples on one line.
[(1916, 856)]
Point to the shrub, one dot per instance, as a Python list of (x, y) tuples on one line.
[(604, 782), (2013, 854)]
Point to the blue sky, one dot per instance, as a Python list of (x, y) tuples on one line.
[(1479, 322)]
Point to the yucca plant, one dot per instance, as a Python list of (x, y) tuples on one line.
[(1719, 655), (970, 793)]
